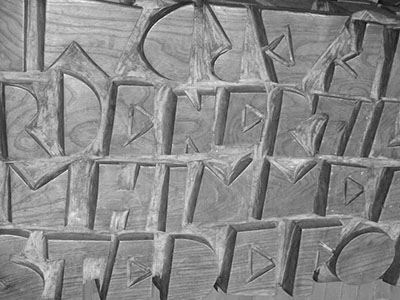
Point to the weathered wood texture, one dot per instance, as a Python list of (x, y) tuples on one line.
[(207, 150)]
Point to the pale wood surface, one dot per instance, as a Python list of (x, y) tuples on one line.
[(204, 189)]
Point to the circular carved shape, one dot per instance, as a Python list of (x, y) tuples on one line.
[(365, 258)]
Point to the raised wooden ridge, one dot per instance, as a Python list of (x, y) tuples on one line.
[(157, 251)]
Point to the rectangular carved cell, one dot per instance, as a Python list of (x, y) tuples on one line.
[(193, 124), (291, 187), (343, 115), (304, 253), (124, 187), (255, 262), (133, 128), (391, 207), (218, 202), (298, 132), (28, 206), (348, 186), (245, 118), (75, 252), (132, 271), (387, 140)]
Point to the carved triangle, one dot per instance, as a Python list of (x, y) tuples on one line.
[(194, 98), (93, 269), (269, 49), (248, 112), (395, 136), (310, 132), (218, 40), (293, 168), (134, 111), (39, 172), (136, 272), (189, 144), (352, 190), (227, 169), (259, 263)]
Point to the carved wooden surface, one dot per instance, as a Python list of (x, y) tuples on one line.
[(211, 150)]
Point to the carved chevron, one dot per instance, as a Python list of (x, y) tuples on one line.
[(228, 168), (36, 173), (310, 132), (293, 168)]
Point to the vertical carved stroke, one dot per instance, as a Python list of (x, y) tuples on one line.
[(34, 33), (256, 64), (164, 121)]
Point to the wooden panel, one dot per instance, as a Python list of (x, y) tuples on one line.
[(264, 166)]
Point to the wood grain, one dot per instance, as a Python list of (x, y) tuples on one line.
[(147, 221), (12, 35)]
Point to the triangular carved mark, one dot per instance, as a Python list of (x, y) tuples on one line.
[(269, 49), (228, 168), (395, 136), (352, 190), (194, 98), (293, 168), (310, 132), (39, 172), (148, 124), (258, 258), (246, 114), (189, 144), (136, 272)]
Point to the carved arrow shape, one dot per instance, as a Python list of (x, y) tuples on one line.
[(228, 168), (269, 49), (352, 190), (310, 132), (258, 257), (293, 168), (144, 129), (37, 173)]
